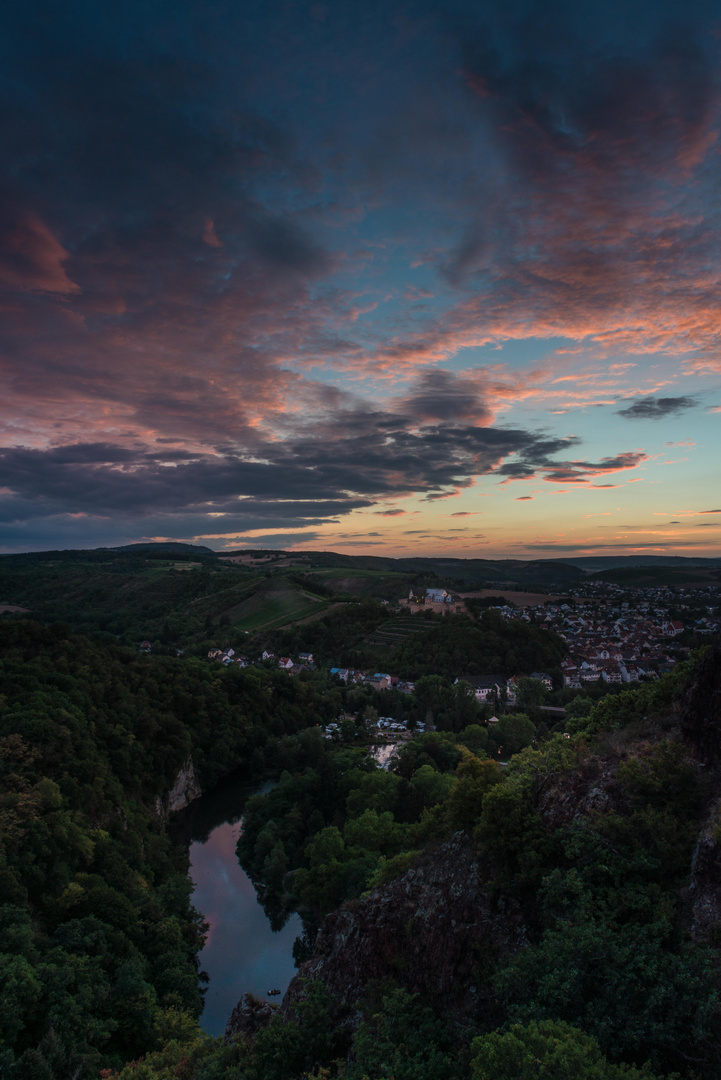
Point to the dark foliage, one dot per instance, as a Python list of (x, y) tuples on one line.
[(98, 933), (99, 938)]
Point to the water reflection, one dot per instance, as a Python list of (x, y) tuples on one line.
[(242, 953)]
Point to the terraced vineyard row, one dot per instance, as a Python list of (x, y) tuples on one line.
[(393, 633)]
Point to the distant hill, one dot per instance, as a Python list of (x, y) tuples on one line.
[(449, 571), (183, 595), (650, 576), (609, 562), (171, 546)]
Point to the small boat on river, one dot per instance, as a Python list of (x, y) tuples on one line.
[(273, 993)]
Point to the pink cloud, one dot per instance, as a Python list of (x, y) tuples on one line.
[(579, 472), (32, 260), (210, 237)]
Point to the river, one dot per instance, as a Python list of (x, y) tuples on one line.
[(242, 953)]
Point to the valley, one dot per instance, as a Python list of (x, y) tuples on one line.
[(458, 825)]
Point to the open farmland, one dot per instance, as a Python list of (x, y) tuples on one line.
[(520, 599)]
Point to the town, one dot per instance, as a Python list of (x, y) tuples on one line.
[(614, 635)]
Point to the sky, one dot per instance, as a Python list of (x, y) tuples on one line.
[(382, 278)]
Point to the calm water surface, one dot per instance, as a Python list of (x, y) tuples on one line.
[(242, 953)]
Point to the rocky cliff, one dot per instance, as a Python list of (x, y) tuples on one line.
[(249, 1016), (435, 929), (185, 789), (430, 930)]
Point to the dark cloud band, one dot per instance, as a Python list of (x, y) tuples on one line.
[(651, 408)]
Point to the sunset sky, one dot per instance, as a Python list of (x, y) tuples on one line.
[(375, 277)]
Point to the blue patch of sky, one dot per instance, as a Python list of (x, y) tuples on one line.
[(514, 354)]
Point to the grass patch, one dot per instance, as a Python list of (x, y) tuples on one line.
[(272, 607)]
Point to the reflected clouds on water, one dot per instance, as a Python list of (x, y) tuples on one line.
[(242, 954)]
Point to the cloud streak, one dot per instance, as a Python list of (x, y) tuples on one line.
[(245, 277)]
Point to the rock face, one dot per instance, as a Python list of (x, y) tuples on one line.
[(437, 927), (591, 787), (249, 1016), (185, 789), (428, 930)]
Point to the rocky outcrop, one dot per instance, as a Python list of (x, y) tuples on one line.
[(185, 789), (429, 931), (591, 787), (441, 927), (249, 1016), (437, 927)]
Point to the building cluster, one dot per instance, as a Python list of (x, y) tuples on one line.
[(621, 635), (490, 689), (377, 680), (614, 634), (433, 596), (229, 657)]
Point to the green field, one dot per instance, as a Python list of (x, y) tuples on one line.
[(274, 604)]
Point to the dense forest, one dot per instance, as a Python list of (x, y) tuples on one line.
[(586, 838), (100, 936), (424, 644), (172, 598), (609, 984)]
